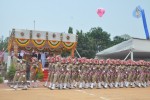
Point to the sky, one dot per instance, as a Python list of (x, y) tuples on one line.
[(58, 15)]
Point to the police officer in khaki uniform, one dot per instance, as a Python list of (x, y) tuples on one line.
[(22, 77), (81, 75), (52, 71), (56, 72), (62, 73), (94, 73), (145, 76), (73, 76), (139, 75), (100, 75), (86, 74), (90, 72), (33, 73), (106, 74), (50, 64), (67, 79), (17, 74)]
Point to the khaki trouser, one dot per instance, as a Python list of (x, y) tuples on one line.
[(33, 76), (75, 76), (61, 78), (129, 77), (49, 76), (16, 77), (105, 78), (100, 77), (94, 77), (22, 77), (140, 77), (55, 77), (67, 78), (133, 77)]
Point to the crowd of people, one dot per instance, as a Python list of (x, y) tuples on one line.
[(85, 73)]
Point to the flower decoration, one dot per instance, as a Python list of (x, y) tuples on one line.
[(22, 34), (38, 35), (68, 37), (54, 35)]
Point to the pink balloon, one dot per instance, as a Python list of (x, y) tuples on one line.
[(100, 12)]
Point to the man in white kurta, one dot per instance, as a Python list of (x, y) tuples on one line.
[(43, 58)]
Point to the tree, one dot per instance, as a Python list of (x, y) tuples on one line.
[(70, 30), (93, 41), (1, 39), (101, 38), (4, 44), (125, 36), (119, 39), (84, 46)]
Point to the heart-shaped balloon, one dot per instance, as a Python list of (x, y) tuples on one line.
[(100, 12)]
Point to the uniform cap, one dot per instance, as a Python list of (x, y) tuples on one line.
[(58, 58)]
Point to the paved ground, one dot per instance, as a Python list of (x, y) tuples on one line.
[(74, 94)]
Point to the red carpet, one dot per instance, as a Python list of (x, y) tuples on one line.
[(45, 72)]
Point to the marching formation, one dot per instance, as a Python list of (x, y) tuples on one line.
[(85, 73)]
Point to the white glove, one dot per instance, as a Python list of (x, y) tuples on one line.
[(24, 76)]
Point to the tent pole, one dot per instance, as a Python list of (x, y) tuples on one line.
[(132, 55), (78, 53), (127, 55)]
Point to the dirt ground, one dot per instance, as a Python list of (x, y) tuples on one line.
[(42, 93)]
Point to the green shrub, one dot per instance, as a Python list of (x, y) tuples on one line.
[(1, 79), (11, 72), (40, 75)]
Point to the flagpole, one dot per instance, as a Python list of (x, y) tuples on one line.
[(34, 24)]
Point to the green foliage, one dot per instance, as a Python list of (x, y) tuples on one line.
[(86, 46), (95, 41), (65, 53), (70, 30), (40, 75), (4, 44), (125, 36), (1, 79), (3, 69), (92, 42), (118, 39), (11, 72), (101, 38)]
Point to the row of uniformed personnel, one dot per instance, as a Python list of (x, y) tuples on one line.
[(93, 73)]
